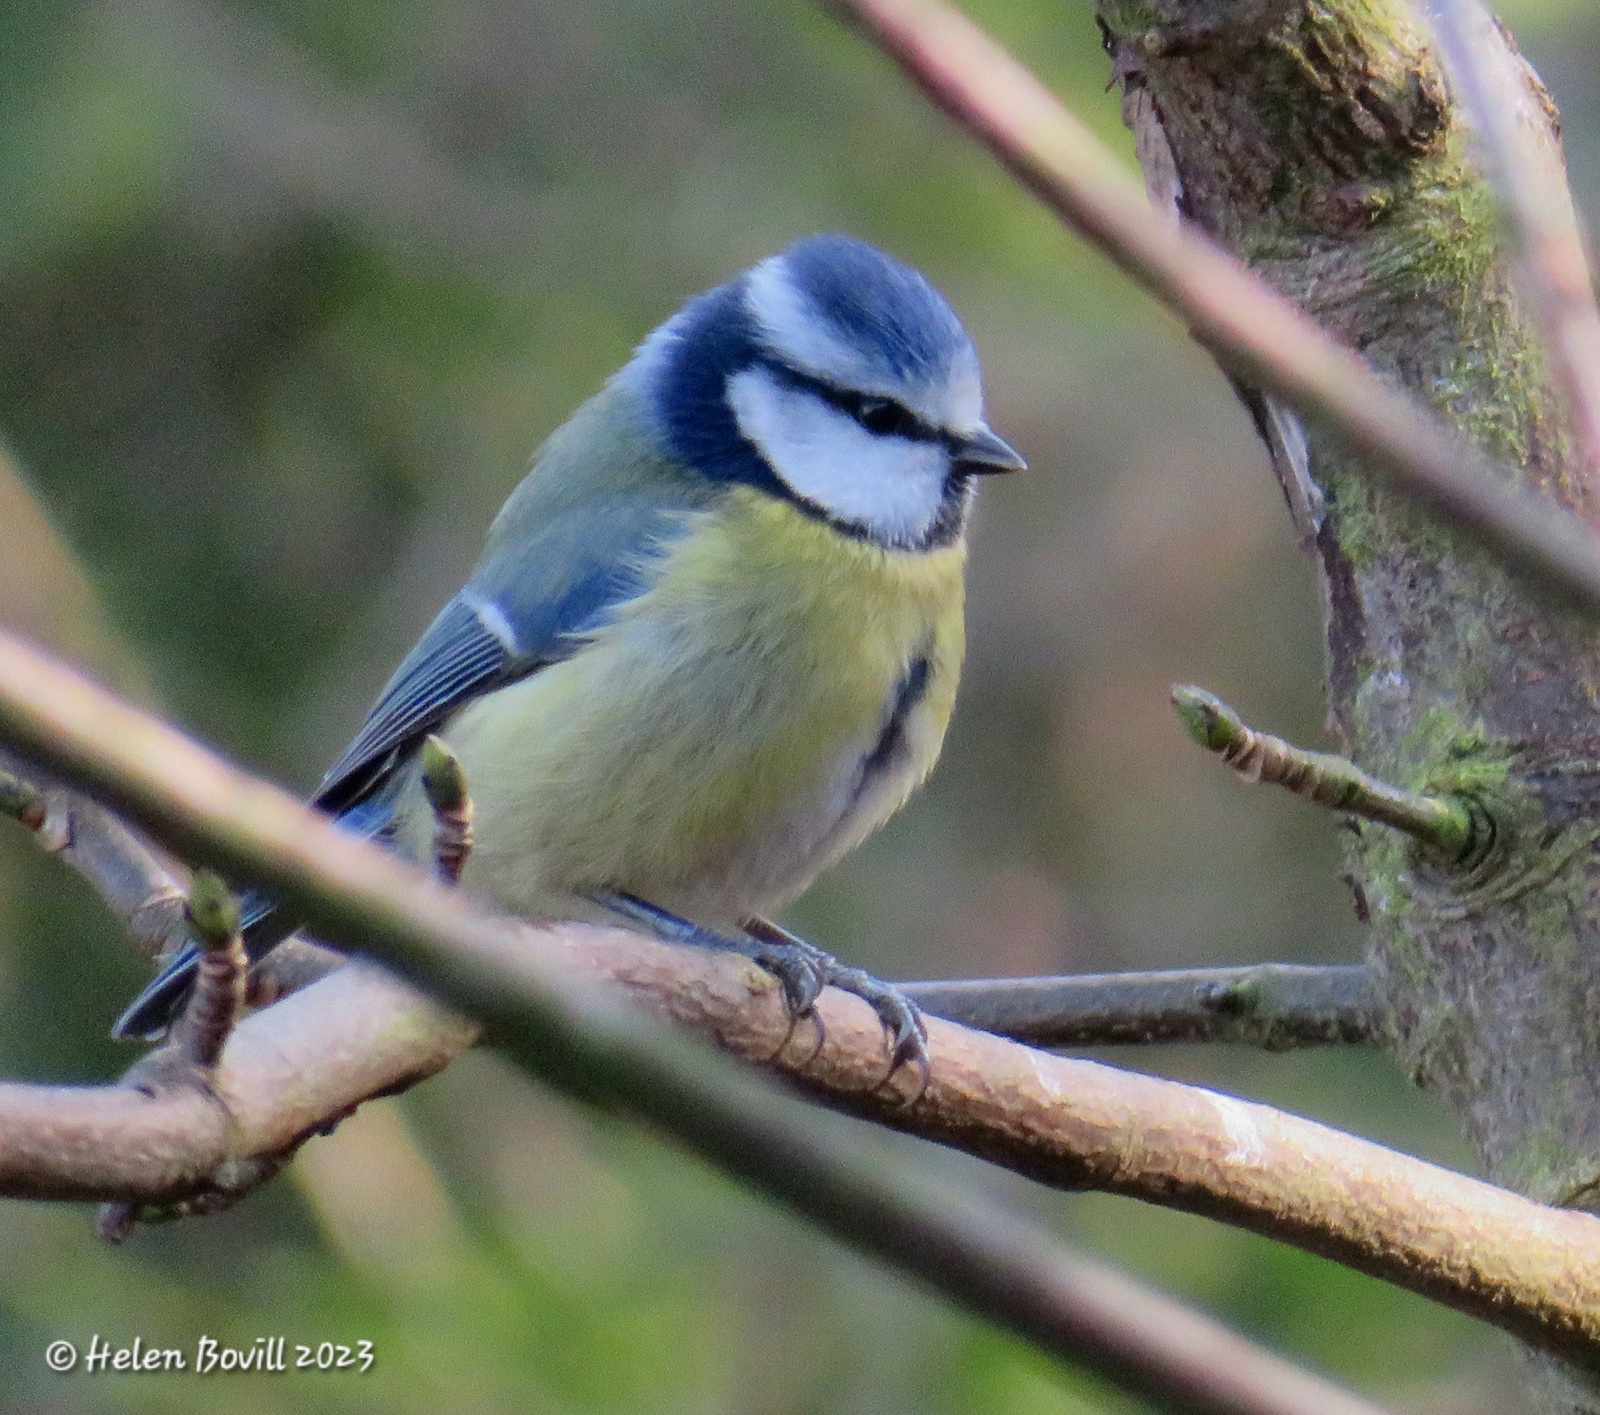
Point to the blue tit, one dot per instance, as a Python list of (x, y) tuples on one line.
[(714, 638)]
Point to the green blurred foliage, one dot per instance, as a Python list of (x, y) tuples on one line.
[(288, 291)]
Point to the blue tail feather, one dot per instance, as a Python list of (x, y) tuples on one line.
[(264, 925), (152, 1012)]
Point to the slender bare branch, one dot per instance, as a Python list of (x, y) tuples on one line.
[(1276, 1006), (97, 1142), (238, 1123), (1251, 329), (140, 887), (1532, 1270), (1008, 1272), (1511, 114), (163, 1135), (136, 881)]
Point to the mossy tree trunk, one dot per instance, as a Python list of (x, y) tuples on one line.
[(1318, 140)]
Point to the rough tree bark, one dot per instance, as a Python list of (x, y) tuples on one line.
[(1318, 140)]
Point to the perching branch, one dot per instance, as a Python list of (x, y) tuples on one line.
[(1253, 331), (1277, 1006), (1012, 1274), (1453, 827), (1274, 1006), (1080, 1310), (1532, 1270), (1509, 111)]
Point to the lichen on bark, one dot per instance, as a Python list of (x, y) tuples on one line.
[(1318, 140)]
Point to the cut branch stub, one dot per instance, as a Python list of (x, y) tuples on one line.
[(1455, 828)]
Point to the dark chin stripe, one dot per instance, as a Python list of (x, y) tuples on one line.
[(951, 522), (718, 340)]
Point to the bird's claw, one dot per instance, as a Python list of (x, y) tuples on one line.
[(900, 1016), (901, 1019), (801, 977)]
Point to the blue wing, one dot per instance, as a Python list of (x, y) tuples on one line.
[(562, 555), (479, 642), (492, 633), (459, 657)]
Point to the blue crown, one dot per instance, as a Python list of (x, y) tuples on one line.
[(878, 306)]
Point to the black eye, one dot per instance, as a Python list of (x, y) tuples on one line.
[(883, 417)]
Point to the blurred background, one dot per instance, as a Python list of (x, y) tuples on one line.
[(289, 291)]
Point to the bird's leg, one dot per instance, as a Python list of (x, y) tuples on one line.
[(901, 1017), (800, 972)]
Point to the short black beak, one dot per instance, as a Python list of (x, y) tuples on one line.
[(983, 454)]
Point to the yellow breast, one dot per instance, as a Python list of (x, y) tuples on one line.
[(772, 699)]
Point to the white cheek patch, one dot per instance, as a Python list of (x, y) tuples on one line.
[(892, 487)]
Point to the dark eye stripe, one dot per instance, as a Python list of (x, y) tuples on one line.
[(864, 408)]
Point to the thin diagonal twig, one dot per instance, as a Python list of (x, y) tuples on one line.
[(143, 890)]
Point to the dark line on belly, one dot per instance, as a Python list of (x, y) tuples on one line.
[(891, 741)]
